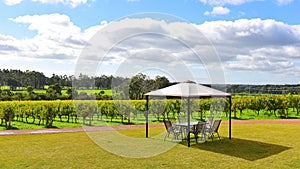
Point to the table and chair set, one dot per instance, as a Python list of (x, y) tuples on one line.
[(201, 130)]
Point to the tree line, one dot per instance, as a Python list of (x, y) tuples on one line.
[(17, 79), (263, 89), (123, 88)]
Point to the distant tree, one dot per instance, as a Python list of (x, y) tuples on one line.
[(136, 86), (121, 92), (161, 82), (29, 89), (69, 93), (54, 91), (6, 94)]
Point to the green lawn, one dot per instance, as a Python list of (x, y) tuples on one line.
[(64, 91), (253, 146), (106, 92), (35, 91), (138, 119), (16, 125)]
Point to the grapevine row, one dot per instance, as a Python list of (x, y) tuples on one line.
[(47, 112)]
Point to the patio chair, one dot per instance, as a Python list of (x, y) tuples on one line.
[(182, 119), (209, 121), (173, 120), (171, 130), (214, 129), (199, 130)]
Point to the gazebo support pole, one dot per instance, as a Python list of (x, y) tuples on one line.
[(147, 109), (189, 120), (230, 103)]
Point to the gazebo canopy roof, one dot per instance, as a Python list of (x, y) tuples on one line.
[(188, 89)]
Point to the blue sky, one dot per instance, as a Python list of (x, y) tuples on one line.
[(257, 41)]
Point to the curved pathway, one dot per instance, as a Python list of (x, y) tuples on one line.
[(123, 127)]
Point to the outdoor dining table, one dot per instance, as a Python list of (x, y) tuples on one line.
[(184, 126)]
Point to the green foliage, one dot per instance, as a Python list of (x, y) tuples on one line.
[(276, 105), (6, 114), (89, 112)]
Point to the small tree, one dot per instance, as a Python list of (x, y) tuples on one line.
[(29, 90), (54, 91)]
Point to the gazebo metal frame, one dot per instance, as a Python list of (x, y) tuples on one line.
[(187, 90)]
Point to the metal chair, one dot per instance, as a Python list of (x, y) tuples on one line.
[(171, 130), (172, 119), (214, 129), (199, 130), (209, 121), (182, 119)]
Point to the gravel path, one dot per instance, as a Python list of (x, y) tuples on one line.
[(124, 127)]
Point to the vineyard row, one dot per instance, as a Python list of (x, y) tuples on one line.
[(45, 112)]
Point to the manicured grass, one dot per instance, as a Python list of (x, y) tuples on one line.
[(97, 91), (64, 91), (252, 146), (57, 124), (16, 125), (138, 119), (135, 119), (248, 114)]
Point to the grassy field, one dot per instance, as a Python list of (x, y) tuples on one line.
[(16, 125), (64, 91), (252, 146), (138, 119)]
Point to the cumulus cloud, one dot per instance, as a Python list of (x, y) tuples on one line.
[(57, 37), (219, 10), (284, 2), (255, 45), (243, 45), (254, 32), (12, 2), (226, 2), (72, 3)]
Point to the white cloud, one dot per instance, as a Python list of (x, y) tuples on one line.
[(243, 45), (57, 37), (253, 31), (225, 2), (256, 45), (12, 2), (219, 10), (284, 2), (72, 3)]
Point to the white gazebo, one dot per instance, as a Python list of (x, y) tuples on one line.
[(188, 90)]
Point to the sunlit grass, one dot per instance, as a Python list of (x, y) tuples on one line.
[(64, 91), (252, 146), (62, 123), (135, 119)]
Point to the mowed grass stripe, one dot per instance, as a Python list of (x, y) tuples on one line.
[(252, 146)]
